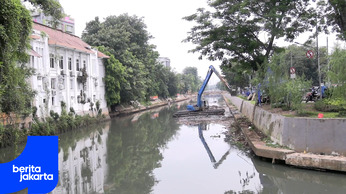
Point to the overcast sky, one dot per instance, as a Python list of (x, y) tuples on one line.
[(164, 22), (163, 19)]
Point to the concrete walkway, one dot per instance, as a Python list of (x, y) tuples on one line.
[(290, 157)]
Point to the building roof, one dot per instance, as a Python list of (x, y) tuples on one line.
[(34, 53), (101, 55), (60, 38), (34, 36)]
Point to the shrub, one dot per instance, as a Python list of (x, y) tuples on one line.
[(329, 105)]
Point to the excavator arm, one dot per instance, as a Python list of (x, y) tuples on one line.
[(204, 85)]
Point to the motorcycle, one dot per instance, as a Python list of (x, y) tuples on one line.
[(314, 95)]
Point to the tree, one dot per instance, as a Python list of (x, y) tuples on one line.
[(281, 89), (50, 8), (305, 66), (127, 39), (234, 32), (190, 80), (337, 73), (236, 76), (333, 13), (172, 83), (114, 79), (15, 27)]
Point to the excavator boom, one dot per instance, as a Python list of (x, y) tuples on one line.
[(204, 85)]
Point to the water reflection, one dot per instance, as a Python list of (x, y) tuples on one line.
[(82, 161), (134, 150), (201, 127), (150, 152), (284, 179)]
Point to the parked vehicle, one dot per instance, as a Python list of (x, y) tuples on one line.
[(314, 95)]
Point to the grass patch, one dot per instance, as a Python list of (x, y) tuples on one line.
[(245, 98), (314, 114), (242, 97)]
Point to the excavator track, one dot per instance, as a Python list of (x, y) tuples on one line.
[(207, 112)]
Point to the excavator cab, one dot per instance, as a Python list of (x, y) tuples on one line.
[(205, 105)]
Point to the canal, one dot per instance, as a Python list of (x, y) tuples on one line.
[(151, 152)]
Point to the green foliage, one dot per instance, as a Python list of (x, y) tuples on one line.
[(333, 14), (237, 76), (115, 77), (134, 74), (190, 82), (331, 105), (34, 112), (342, 113), (295, 90), (72, 110), (126, 38), (337, 73), (54, 115), (303, 65), (50, 8), (9, 135), (84, 77), (15, 27), (164, 82), (283, 90), (233, 32), (99, 111)]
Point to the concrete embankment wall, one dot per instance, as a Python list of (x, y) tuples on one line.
[(300, 134)]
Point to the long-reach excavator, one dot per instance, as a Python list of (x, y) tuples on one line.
[(202, 106)]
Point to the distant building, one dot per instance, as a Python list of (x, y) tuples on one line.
[(66, 24), (165, 61), (67, 70)]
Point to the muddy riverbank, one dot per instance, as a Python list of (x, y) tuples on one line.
[(122, 110)]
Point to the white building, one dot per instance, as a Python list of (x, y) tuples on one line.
[(165, 61), (66, 23), (59, 59)]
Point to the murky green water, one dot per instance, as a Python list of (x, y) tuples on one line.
[(151, 152)]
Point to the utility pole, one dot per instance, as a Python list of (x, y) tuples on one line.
[(318, 58), (291, 58), (328, 63)]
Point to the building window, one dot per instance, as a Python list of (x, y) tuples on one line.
[(68, 28), (61, 62), (32, 61), (53, 100), (84, 64), (69, 63), (51, 59), (53, 83), (71, 84), (77, 64)]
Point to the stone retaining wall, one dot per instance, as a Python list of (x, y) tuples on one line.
[(300, 134)]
